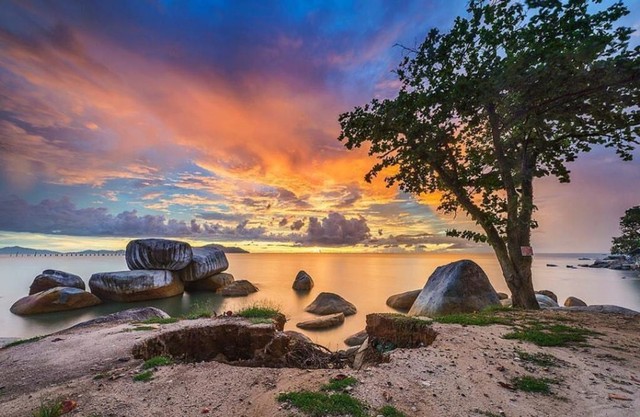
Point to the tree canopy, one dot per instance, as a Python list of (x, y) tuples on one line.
[(629, 241), (513, 92)]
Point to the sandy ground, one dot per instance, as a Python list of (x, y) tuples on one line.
[(459, 375)]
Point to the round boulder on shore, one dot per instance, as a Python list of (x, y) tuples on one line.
[(54, 299), (330, 303), (51, 278), (212, 283), (240, 288), (126, 286), (458, 287), (163, 254), (206, 261), (325, 322), (545, 301), (303, 282), (549, 294), (574, 302), (403, 301)]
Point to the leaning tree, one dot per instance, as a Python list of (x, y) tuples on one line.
[(513, 92), (629, 241)]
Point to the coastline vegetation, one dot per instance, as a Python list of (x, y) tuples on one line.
[(23, 341), (548, 334)]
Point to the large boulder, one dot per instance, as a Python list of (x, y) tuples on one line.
[(240, 288), (51, 278), (54, 299), (458, 287), (126, 286), (206, 261), (212, 283), (545, 301), (330, 303), (324, 322), (403, 301), (574, 302), (303, 282), (161, 254), (549, 294)]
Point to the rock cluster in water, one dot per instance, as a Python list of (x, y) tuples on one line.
[(159, 268)]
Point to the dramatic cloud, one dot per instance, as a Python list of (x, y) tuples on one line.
[(336, 229)]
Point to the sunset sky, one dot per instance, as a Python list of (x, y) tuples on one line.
[(216, 121)]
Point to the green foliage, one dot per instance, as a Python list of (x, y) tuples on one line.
[(49, 408), (22, 341), (260, 310), (319, 404), (142, 328), (630, 228), (483, 318), (391, 411), (199, 311), (540, 359), (156, 361), (160, 320), (551, 334), (144, 376), (532, 384), (511, 93), (339, 384)]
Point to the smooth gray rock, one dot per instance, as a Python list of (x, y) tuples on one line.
[(301, 337), (403, 301), (240, 288), (324, 322), (212, 283), (303, 282), (330, 303), (549, 294), (125, 316), (544, 301), (54, 299), (574, 302), (458, 287), (163, 254), (205, 262), (356, 339), (604, 309), (126, 286), (51, 278)]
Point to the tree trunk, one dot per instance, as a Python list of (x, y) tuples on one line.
[(517, 273)]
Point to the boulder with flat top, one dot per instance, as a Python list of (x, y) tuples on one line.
[(163, 254), (50, 278), (139, 285), (458, 287), (206, 261), (54, 299)]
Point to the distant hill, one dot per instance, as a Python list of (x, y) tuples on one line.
[(19, 250)]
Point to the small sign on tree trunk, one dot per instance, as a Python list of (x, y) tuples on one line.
[(526, 250)]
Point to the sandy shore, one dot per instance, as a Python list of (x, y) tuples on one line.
[(466, 372)]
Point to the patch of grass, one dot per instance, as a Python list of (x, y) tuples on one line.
[(156, 361), (319, 404), (260, 310), (199, 311), (49, 408), (473, 319), (540, 359), (260, 321), (532, 384), (339, 384), (143, 328), (160, 320), (143, 376), (22, 341), (391, 411), (551, 334)]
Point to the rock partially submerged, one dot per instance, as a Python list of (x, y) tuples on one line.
[(212, 283), (356, 339), (206, 261), (51, 278), (240, 288), (54, 299), (330, 303), (164, 254), (303, 282), (458, 287), (126, 286), (574, 302), (545, 302), (324, 322), (403, 301)]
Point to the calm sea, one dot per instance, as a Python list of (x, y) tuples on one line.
[(363, 279)]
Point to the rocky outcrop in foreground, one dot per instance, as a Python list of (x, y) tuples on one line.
[(458, 287)]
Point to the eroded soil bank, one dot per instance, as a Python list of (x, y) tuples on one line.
[(468, 371)]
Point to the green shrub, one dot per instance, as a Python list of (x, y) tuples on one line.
[(143, 376), (391, 411), (49, 408), (339, 384), (156, 361), (319, 404), (260, 310)]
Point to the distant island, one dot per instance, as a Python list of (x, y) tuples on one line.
[(21, 251)]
